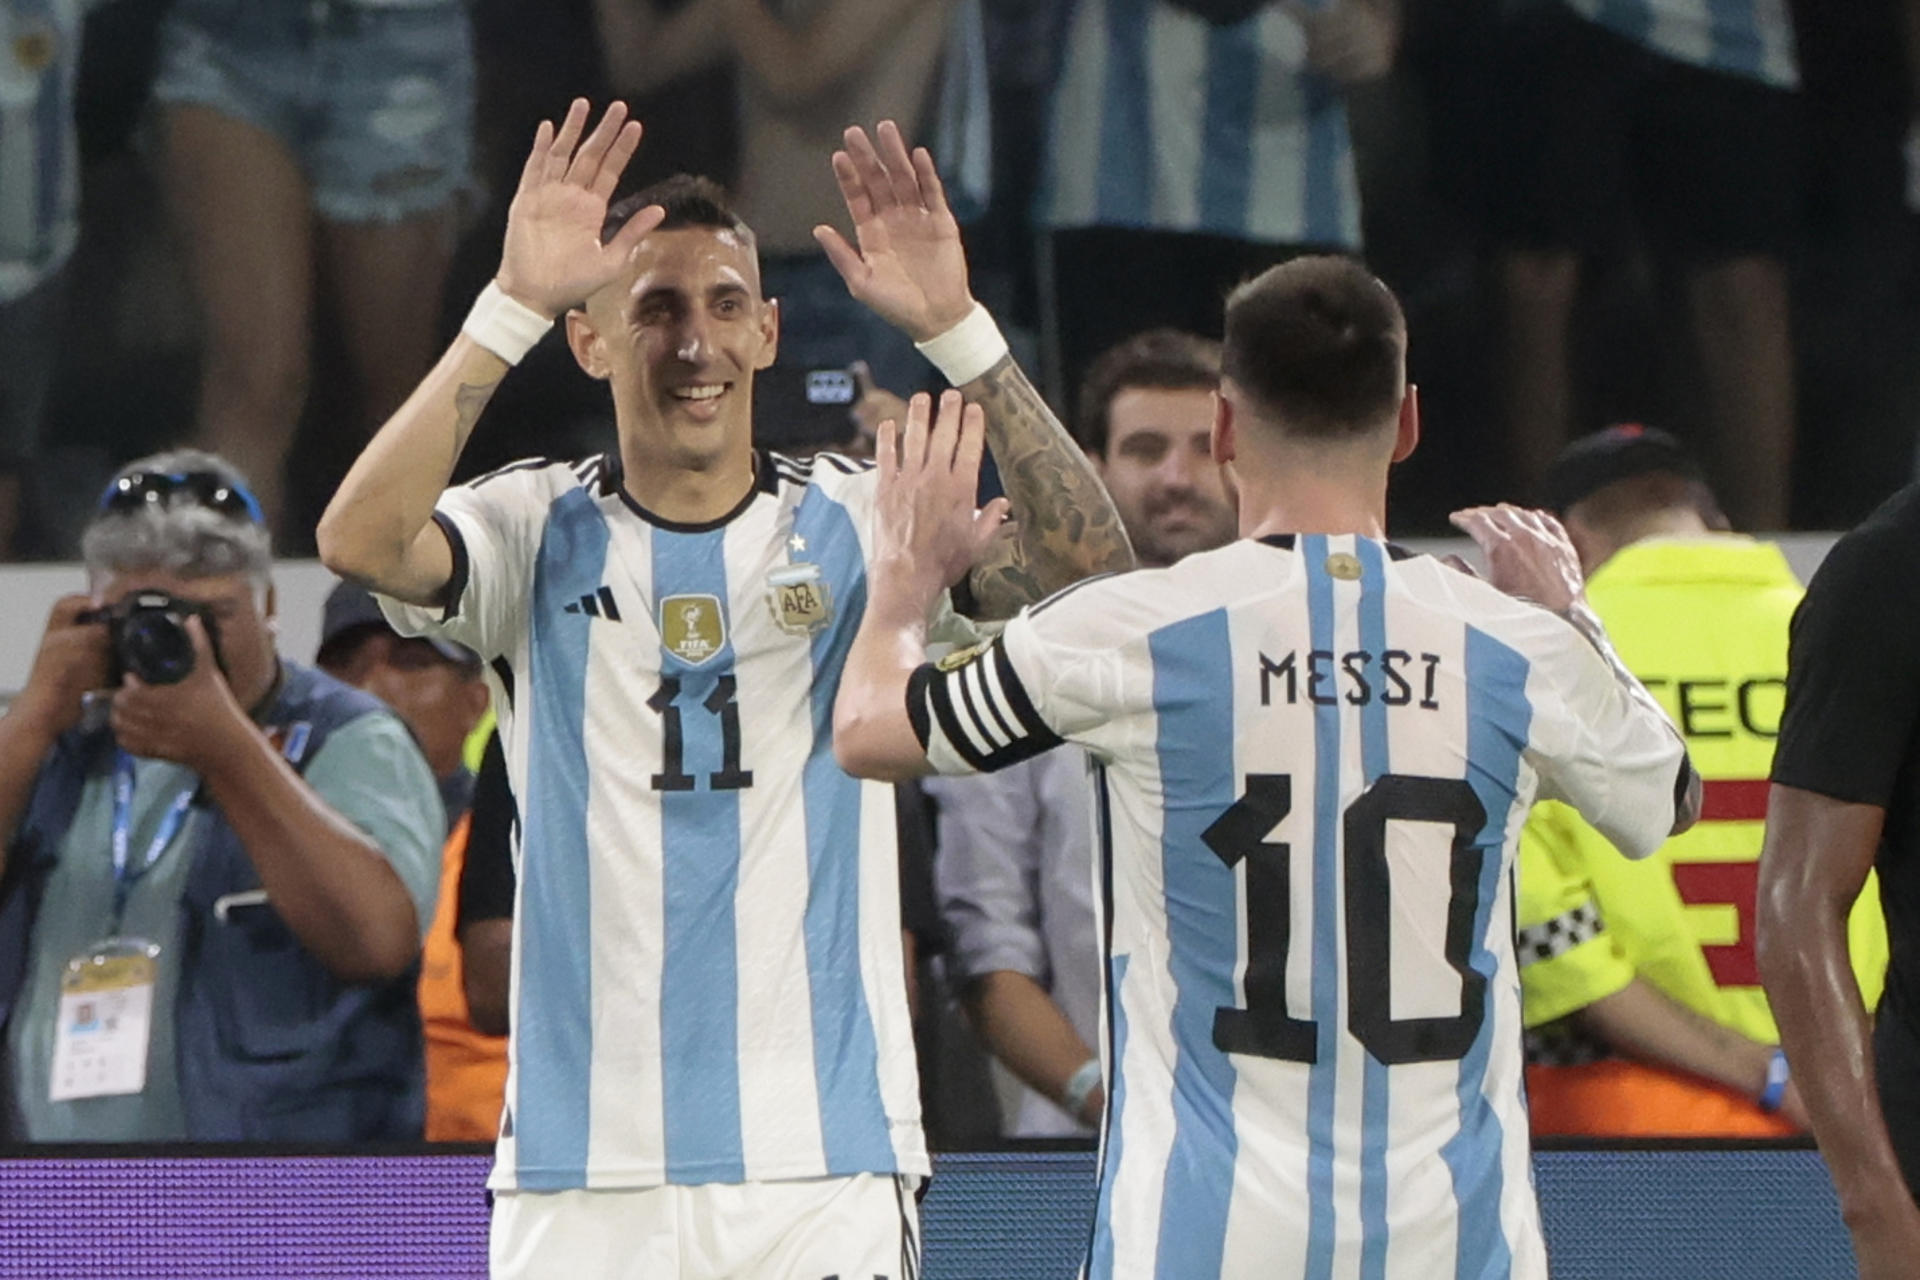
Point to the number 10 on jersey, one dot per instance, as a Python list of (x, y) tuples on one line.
[(1243, 833)]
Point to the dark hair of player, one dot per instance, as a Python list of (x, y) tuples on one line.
[(690, 201), (1318, 342), (1159, 360)]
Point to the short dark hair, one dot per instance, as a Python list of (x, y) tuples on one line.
[(1320, 343), (690, 201), (1159, 359)]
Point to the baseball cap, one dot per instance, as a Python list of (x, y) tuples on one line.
[(1616, 453), (351, 606)]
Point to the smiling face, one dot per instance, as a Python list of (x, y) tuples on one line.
[(1159, 470), (679, 339)]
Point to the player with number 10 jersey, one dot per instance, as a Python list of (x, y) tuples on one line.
[(1317, 753), (1314, 1002)]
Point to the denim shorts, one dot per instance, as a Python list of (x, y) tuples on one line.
[(375, 102)]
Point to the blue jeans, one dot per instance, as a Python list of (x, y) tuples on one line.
[(374, 102)]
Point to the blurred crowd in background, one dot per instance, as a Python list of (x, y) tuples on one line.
[(250, 224)]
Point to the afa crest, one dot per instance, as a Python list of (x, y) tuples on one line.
[(693, 628), (800, 598)]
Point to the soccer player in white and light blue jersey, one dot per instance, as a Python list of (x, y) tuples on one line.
[(1319, 750), (711, 1070)]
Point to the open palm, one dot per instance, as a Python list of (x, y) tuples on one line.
[(553, 258), (910, 266)]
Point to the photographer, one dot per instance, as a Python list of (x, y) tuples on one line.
[(219, 862)]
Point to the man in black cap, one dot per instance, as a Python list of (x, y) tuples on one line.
[(436, 687), (1627, 483), (1640, 989)]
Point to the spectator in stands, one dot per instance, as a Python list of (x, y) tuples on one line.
[(1678, 121), (216, 879), (1846, 801), (1015, 857), (1638, 979), (299, 133), (805, 69), (1193, 144), (436, 689), (39, 226), (485, 917)]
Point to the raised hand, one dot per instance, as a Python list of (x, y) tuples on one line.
[(194, 722), (553, 257), (909, 267), (1528, 554), (925, 524), (72, 662)]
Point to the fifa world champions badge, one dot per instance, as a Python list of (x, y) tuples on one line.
[(801, 600), (693, 628)]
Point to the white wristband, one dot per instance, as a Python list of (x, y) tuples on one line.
[(1080, 1087), (967, 350), (503, 326)]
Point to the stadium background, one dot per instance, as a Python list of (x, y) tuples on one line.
[(1670, 1211)]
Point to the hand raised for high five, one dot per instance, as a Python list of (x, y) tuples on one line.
[(553, 256), (910, 268), (927, 531)]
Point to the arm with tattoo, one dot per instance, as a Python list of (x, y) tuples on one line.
[(910, 267), (1064, 526)]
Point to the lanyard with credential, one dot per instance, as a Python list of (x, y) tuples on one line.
[(124, 876)]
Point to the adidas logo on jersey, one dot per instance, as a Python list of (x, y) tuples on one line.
[(600, 606)]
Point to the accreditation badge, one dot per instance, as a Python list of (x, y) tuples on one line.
[(106, 1021)]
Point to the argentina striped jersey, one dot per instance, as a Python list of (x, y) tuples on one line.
[(39, 148), (1751, 38), (1319, 753), (1164, 121), (707, 975)]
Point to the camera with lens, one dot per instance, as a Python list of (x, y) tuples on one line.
[(148, 632)]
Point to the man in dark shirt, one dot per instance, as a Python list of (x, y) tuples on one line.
[(1846, 798)]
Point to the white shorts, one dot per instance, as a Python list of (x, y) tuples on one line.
[(864, 1227)]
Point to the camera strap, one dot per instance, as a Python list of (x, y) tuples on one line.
[(124, 875)]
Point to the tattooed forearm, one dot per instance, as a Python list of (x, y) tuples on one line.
[(468, 403), (1066, 527)]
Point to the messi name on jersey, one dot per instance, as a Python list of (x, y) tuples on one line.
[(1324, 678)]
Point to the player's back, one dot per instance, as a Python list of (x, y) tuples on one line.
[(1322, 752)]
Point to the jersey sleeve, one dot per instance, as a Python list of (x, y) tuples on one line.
[(1050, 677), (1853, 676), (493, 527), (1568, 960), (1614, 757)]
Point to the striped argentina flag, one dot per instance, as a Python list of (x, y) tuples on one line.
[(1163, 121), (1750, 38)]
